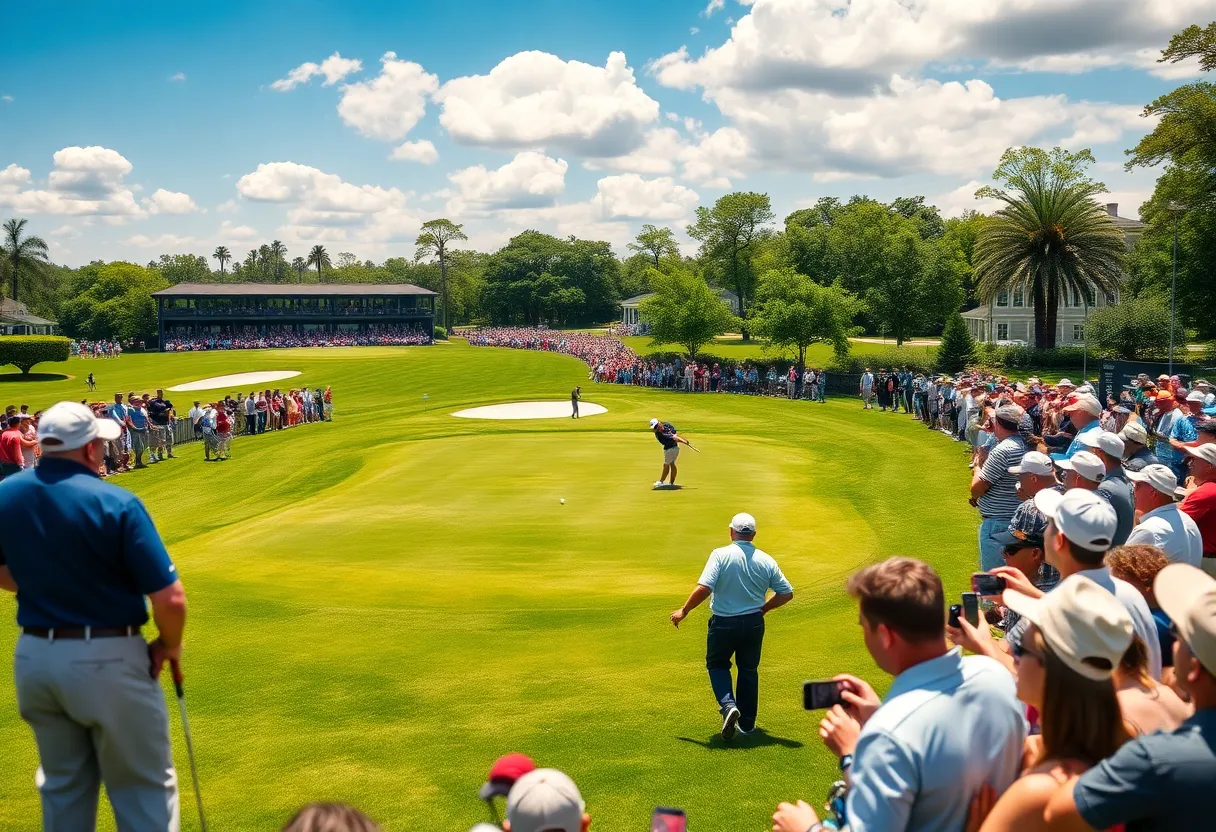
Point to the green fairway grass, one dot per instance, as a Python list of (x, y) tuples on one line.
[(382, 605), (733, 349)]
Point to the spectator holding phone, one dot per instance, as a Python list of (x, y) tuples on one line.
[(1080, 528), (1160, 781), (948, 725), (1064, 664)]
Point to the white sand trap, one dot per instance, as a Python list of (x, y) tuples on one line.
[(237, 381), (530, 410)]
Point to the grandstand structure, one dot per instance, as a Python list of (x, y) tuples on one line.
[(190, 310)]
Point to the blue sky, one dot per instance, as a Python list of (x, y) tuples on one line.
[(128, 130)]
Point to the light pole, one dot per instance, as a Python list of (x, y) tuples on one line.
[(1176, 209)]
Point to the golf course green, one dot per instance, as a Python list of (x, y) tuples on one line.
[(382, 605)]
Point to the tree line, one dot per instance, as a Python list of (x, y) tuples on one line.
[(898, 269)]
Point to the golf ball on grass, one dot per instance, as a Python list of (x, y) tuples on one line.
[(563, 500)]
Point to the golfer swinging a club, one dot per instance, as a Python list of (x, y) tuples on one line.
[(671, 441)]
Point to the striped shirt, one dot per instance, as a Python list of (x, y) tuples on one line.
[(1001, 499)]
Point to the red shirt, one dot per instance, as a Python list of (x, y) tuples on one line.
[(10, 447), (222, 425), (1200, 504)]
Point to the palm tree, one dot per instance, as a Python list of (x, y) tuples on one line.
[(28, 252), (319, 257), (265, 261), (433, 241), (222, 254), (279, 251), (299, 266), (1051, 237)]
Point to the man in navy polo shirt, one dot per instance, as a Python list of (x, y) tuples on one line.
[(82, 554)]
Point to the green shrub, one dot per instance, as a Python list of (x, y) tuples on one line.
[(916, 359), (1028, 358), (25, 351), (441, 333)]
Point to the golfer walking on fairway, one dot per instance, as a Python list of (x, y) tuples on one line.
[(671, 441), (737, 577), (81, 554), (575, 395)]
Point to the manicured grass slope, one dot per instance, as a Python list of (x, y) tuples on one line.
[(817, 355), (382, 605)]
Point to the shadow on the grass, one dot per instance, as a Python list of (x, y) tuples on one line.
[(6, 377), (759, 739)]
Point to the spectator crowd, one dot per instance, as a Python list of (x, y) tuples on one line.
[(281, 337), (150, 425)]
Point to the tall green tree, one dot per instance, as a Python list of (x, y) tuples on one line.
[(916, 285), (519, 278), (656, 243), (957, 348), (222, 254), (793, 312), (24, 253), (318, 258), (1184, 198), (1052, 236), (434, 241), (299, 266), (729, 234), (684, 310), (113, 300), (182, 268), (1135, 328), (279, 252)]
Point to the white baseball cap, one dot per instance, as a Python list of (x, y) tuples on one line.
[(1159, 477), (1104, 441), (1087, 627), (1087, 403), (1065, 383), (1134, 432), (545, 800), (743, 523), (1196, 396), (1082, 516), (654, 422), (1205, 452), (1085, 464), (67, 426), (1033, 462), (1188, 597)]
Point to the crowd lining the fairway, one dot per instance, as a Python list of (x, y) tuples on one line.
[(1089, 697)]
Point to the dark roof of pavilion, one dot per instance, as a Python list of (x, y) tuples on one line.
[(297, 290)]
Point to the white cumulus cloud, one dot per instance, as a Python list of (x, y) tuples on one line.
[(422, 152), (536, 100), (334, 68), (169, 202), (389, 105), (630, 197), (85, 181), (530, 180)]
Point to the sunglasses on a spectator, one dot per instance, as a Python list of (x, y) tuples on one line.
[(1020, 650)]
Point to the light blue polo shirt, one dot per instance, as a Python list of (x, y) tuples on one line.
[(945, 728), (1076, 445), (740, 576)]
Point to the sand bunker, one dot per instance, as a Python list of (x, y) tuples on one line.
[(237, 381), (530, 410)]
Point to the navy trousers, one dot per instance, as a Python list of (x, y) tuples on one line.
[(739, 637)]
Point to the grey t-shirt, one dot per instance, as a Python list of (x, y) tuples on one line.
[(1155, 782), (1117, 489)]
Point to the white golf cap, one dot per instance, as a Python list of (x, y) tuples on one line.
[(1159, 477), (67, 426), (1134, 432), (1205, 452), (1010, 413), (545, 800), (1082, 516), (743, 523), (1087, 403), (1085, 464), (1188, 597), (1104, 441), (1033, 462), (654, 422), (1065, 383), (1195, 396), (1087, 627)]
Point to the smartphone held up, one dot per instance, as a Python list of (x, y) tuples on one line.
[(822, 695)]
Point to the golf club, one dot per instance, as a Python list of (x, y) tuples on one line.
[(181, 704), (694, 447)]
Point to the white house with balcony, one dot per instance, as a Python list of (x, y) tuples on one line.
[(1010, 318)]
